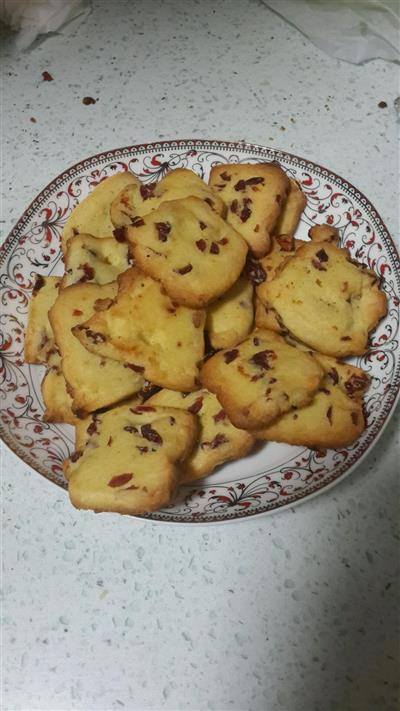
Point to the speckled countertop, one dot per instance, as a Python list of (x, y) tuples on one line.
[(294, 612)]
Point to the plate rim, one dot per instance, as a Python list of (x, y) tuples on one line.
[(205, 143)]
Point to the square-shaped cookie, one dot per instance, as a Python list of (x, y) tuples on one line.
[(333, 419), (129, 463), (147, 332), (39, 340), (90, 259), (218, 441), (92, 215), (192, 251), (93, 382), (260, 379), (139, 199), (231, 317), (325, 300), (254, 195)]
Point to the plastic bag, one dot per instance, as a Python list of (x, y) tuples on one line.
[(355, 31)]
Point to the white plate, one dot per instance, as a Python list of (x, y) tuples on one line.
[(275, 475)]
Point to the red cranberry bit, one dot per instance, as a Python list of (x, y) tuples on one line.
[(255, 271), (246, 211), (322, 255), (261, 359), (333, 374), (214, 249), (131, 429), (242, 184), (317, 265), (142, 408), (76, 455), (137, 221), (39, 283), (142, 450), (152, 435), (119, 234), (223, 241), (215, 442), (134, 367), (46, 76), (234, 206), (225, 176), (355, 384), (345, 338), (256, 341), (202, 225), (163, 229), (286, 243), (329, 414), (147, 191), (196, 406), (88, 272), (184, 270), (201, 244), (229, 356), (92, 429), (88, 100), (120, 480), (220, 416), (92, 335)]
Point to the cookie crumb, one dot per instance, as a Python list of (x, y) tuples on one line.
[(382, 105), (88, 100), (32, 119), (47, 77)]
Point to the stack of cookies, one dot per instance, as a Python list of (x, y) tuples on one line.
[(189, 324)]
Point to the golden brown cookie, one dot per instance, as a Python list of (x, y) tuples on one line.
[(129, 464), (325, 300), (192, 251), (139, 199), (90, 259), (56, 398), (39, 340), (230, 319), (335, 417), (324, 233), (92, 215), (147, 332), (93, 382), (294, 205), (260, 379), (254, 195), (219, 441)]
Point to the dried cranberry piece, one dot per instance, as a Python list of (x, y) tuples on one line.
[(261, 359), (201, 244), (39, 284), (286, 242), (93, 335), (152, 435), (322, 255), (142, 450), (246, 211), (255, 271), (76, 455), (234, 206), (88, 272), (214, 249), (120, 480), (223, 241), (119, 234), (242, 184), (225, 176), (196, 406), (134, 367), (215, 442), (229, 356), (92, 429), (131, 429), (142, 408), (221, 415), (146, 191), (355, 384), (137, 221), (163, 229), (184, 270), (202, 225), (333, 374)]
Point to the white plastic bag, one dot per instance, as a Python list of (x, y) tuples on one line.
[(32, 18), (354, 30)]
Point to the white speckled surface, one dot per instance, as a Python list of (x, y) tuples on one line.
[(294, 612)]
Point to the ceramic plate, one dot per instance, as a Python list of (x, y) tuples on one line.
[(274, 476)]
